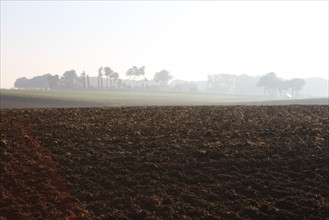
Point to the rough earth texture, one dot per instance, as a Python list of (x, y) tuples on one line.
[(211, 162)]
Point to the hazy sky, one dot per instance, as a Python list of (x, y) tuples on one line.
[(191, 39)]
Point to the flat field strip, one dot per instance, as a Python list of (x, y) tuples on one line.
[(99, 98)]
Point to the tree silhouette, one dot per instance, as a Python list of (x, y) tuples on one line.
[(37, 82), (135, 72), (141, 71), (115, 77), (210, 81), (162, 77), (270, 82), (222, 82), (132, 71), (144, 82), (70, 79), (108, 73), (100, 78), (295, 84), (88, 82), (53, 81), (282, 87), (21, 83), (83, 79)]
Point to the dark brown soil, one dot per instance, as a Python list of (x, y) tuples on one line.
[(235, 162)]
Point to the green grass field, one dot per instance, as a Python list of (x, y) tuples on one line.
[(133, 98), (129, 97)]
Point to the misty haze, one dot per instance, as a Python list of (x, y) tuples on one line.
[(164, 110), (109, 89)]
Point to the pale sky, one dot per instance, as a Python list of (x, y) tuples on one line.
[(191, 39)]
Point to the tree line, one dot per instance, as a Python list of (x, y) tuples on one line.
[(106, 78), (273, 86)]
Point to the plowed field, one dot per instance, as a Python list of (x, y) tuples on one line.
[(207, 162)]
